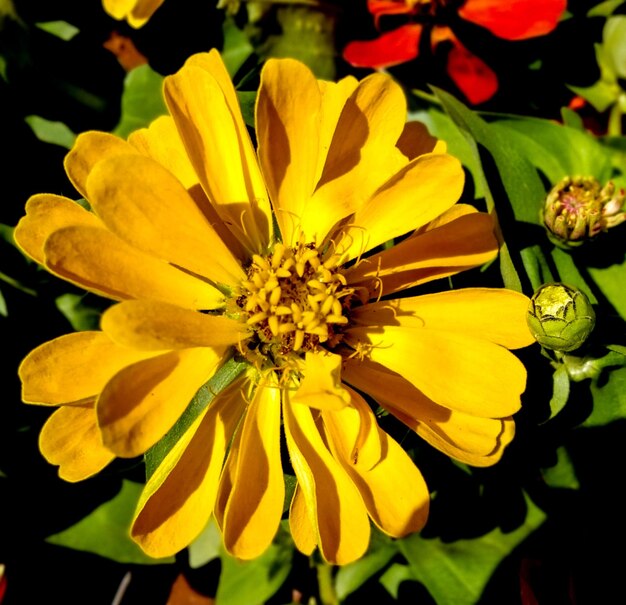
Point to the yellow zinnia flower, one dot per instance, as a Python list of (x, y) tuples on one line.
[(136, 12), (274, 258)]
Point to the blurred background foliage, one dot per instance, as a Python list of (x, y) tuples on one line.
[(545, 525)]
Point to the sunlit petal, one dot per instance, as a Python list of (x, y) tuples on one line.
[(321, 385), (70, 439)]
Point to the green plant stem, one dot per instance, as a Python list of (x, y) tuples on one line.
[(328, 596), (614, 127)]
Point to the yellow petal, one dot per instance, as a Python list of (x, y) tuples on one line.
[(442, 250), (216, 144), (152, 325), (90, 148), (161, 142), (136, 12), (393, 489), (142, 401), (73, 368), (494, 314), (470, 439), (362, 154), (255, 502), (71, 440), (46, 213), (338, 510), (456, 371), (99, 261), (178, 498), (415, 195), (288, 139), (415, 140), (146, 206), (301, 524), (321, 385)]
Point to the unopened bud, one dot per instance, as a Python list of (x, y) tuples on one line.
[(560, 317), (578, 208)]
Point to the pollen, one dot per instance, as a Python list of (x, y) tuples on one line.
[(295, 300)]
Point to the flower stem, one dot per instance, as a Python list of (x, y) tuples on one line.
[(328, 596)]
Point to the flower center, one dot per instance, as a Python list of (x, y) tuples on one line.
[(295, 299)]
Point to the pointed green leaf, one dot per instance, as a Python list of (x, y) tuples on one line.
[(49, 131), (142, 100), (560, 390), (206, 547), (254, 582), (609, 399), (61, 29), (456, 573), (105, 531)]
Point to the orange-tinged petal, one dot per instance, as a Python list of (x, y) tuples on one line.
[(99, 261), (288, 139), (420, 192), (515, 19), (216, 143), (89, 149), (178, 498), (445, 249), (468, 438), (145, 205), (362, 155), (301, 524), (142, 401), (255, 502), (393, 489), (46, 213), (73, 368), (456, 371), (152, 325), (494, 314), (71, 440), (476, 80), (391, 48), (321, 385), (338, 510)]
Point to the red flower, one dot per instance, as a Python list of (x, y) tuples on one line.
[(507, 19)]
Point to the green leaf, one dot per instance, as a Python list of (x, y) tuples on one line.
[(456, 573), (614, 41), (555, 149), (80, 315), (206, 547), (247, 100), (229, 371), (352, 576), (609, 399), (600, 95), (48, 131), (61, 29), (604, 9), (563, 474), (394, 576), (254, 582), (236, 48), (105, 531), (142, 100), (4, 311), (611, 282), (560, 390)]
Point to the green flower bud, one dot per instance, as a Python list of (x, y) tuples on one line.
[(578, 208), (560, 317)]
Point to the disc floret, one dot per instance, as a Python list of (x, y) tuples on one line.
[(295, 299)]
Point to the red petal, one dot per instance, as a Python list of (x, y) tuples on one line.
[(472, 75), (392, 48), (514, 19), (389, 7)]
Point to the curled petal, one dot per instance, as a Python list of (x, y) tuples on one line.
[(321, 386), (394, 492), (70, 439), (73, 368), (142, 401), (254, 478), (178, 498), (152, 325), (45, 214), (336, 507)]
